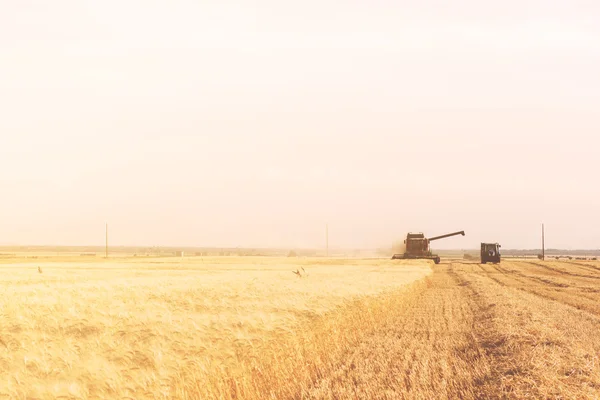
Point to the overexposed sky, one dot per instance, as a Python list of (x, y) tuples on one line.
[(254, 123)]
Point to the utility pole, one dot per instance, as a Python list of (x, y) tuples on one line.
[(327, 240), (106, 240), (543, 244)]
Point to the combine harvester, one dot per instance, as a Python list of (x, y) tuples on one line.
[(417, 247)]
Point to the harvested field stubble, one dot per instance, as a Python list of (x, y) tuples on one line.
[(474, 332)]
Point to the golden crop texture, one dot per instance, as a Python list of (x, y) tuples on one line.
[(193, 328)]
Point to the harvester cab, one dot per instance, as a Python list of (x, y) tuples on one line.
[(417, 247), (417, 244), (490, 252)]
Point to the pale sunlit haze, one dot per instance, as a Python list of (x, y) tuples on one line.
[(221, 123)]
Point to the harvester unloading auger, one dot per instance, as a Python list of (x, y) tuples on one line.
[(417, 246)]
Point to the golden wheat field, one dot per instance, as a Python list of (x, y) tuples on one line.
[(181, 328), (250, 328)]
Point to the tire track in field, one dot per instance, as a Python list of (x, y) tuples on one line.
[(569, 283), (577, 300), (528, 277), (593, 268), (565, 282), (466, 335), (523, 279), (549, 344), (432, 349), (561, 271)]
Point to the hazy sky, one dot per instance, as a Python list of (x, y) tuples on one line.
[(255, 123)]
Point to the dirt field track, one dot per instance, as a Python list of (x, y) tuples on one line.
[(250, 328)]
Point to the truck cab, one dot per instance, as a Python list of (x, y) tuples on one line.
[(490, 252)]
